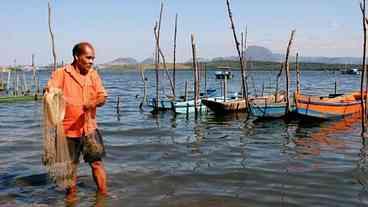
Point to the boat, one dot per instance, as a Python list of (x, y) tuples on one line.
[(328, 107), (181, 106), (221, 106), (185, 107), (351, 71), (267, 107), (223, 74), (163, 104)]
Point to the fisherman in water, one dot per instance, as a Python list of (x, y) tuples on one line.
[(83, 92)]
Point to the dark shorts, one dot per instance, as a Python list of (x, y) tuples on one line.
[(91, 146)]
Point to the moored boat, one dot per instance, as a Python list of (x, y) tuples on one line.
[(328, 107), (351, 71), (184, 107), (222, 74), (163, 104), (218, 105), (268, 107)]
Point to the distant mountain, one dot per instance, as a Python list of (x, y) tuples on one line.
[(230, 58), (199, 59), (254, 52), (258, 53), (264, 54), (147, 61), (332, 60), (122, 61)]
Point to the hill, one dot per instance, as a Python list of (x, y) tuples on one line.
[(122, 61)]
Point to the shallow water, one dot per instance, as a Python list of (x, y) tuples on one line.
[(167, 160)]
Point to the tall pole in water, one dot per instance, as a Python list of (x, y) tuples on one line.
[(34, 74), (242, 64), (52, 37), (287, 72), (195, 75), (363, 74), (205, 79), (297, 74), (174, 64), (157, 67)]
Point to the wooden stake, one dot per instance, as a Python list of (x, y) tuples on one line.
[(225, 87), (165, 65), (242, 53), (34, 74), (195, 74), (52, 38), (141, 71), (242, 62), (118, 105), (205, 80), (363, 74), (157, 67), (297, 74), (335, 90), (174, 64), (277, 81), (263, 85), (287, 72), (186, 91)]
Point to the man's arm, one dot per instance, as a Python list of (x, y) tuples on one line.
[(101, 95)]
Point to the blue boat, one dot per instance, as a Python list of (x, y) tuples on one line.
[(267, 107), (274, 110)]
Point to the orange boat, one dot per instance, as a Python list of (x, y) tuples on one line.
[(328, 107)]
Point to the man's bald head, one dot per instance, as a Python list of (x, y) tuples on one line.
[(79, 48), (84, 56)]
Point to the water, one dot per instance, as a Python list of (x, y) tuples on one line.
[(168, 160)]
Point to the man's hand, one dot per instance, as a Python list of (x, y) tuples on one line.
[(99, 101), (89, 106)]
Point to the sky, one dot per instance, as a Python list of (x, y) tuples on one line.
[(124, 28)]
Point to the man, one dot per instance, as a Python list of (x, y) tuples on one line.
[(83, 92)]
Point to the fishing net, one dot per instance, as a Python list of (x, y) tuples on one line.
[(56, 157)]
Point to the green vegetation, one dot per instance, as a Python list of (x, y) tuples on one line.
[(145, 66), (251, 65), (262, 65)]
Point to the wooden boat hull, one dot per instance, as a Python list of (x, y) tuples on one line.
[(269, 106), (274, 110), (218, 105), (328, 107)]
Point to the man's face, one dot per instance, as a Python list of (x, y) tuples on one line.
[(85, 59)]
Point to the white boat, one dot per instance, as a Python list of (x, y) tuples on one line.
[(222, 74), (351, 71), (184, 107)]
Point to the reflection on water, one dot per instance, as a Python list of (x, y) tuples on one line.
[(174, 160)]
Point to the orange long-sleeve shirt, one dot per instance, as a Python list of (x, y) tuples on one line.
[(78, 90)]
